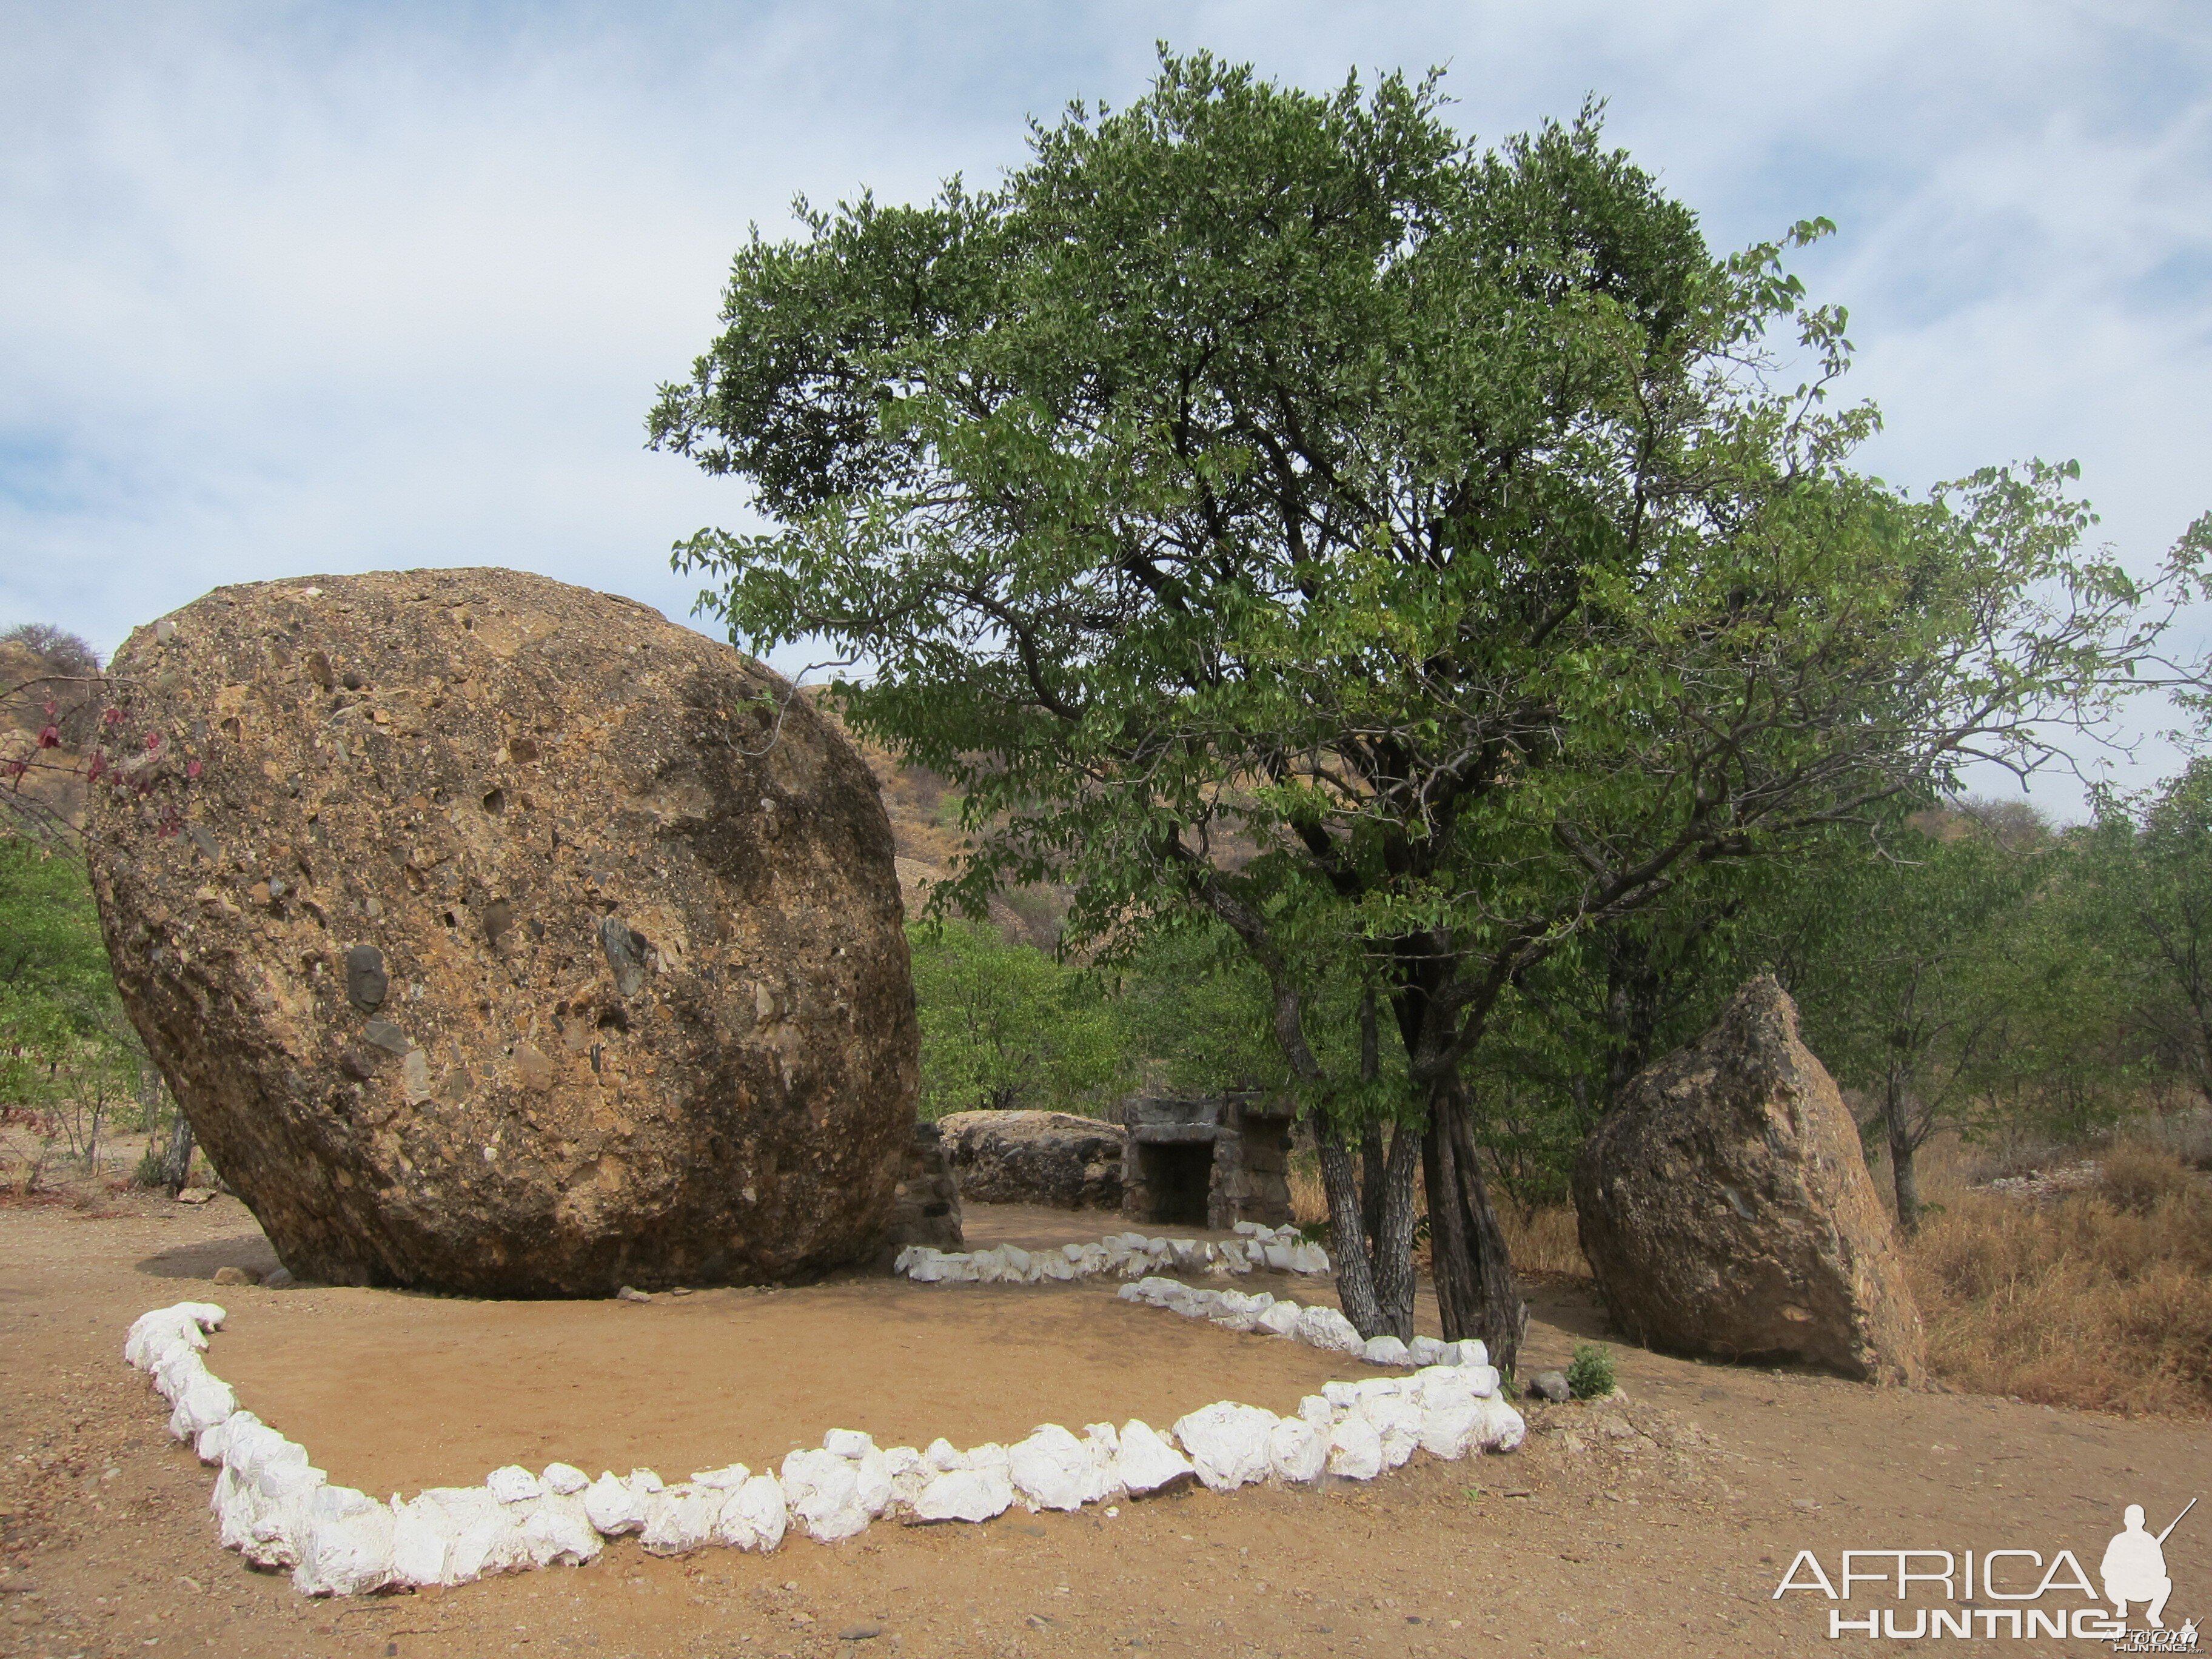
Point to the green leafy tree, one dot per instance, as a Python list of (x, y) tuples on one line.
[(54, 980), (2150, 870), (1918, 997), (1004, 1025), (1270, 505)]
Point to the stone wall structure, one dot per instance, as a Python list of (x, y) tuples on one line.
[(1210, 1162), (500, 937)]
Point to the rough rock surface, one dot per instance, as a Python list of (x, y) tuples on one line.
[(927, 1208), (500, 937), (1725, 1208), (1054, 1158)]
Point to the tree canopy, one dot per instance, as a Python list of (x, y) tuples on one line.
[(1275, 511)]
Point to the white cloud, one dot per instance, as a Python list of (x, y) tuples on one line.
[(314, 288)]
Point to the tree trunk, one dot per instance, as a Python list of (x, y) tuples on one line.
[(1355, 1272), (178, 1168), (1372, 1163), (1475, 1291), (1394, 1236), (1906, 1178), (1374, 1176)]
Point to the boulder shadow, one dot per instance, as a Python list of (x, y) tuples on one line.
[(248, 1250)]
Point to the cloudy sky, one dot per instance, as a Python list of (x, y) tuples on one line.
[(293, 288)]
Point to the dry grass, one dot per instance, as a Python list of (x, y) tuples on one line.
[(2101, 1299), (1545, 1243)]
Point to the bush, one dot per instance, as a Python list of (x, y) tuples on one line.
[(2135, 1178), (153, 1168), (1589, 1373)]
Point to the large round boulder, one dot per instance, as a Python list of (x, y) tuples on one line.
[(1725, 1208), (500, 937)]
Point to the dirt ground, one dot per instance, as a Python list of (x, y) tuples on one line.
[(1653, 1528)]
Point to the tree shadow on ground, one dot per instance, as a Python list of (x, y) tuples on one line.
[(248, 1250)]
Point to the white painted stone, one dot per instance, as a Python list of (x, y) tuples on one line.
[(847, 1442), (1355, 1450), (565, 1479), (454, 1535), (614, 1506), (1147, 1462), (1050, 1469), (728, 1477), (511, 1484), (282, 1493), (1297, 1451), (1227, 1443), (1397, 1421), (1427, 1350), (1279, 1319), (420, 1538), (871, 1475), (204, 1402), (1308, 1259), (1278, 1257), (1317, 1410), (824, 1491), (557, 1531), (944, 1456), (216, 1438), (1386, 1350), (1328, 1330), (1473, 1352), (1502, 1428), (1448, 1425), (344, 1544), (1482, 1378), (966, 1495), (909, 1474), (753, 1516), (681, 1519), (1101, 1445)]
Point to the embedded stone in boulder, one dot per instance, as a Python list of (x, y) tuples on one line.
[(502, 938), (927, 1210), (1054, 1158), (1725, 1208)]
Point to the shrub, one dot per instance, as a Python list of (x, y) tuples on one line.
[(2135, 1178), (153, 1168), (1589, 1373)]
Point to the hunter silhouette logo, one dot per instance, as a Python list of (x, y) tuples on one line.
[(2133, 1568), (2013, 1593)]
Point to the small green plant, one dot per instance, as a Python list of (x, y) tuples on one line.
[(1508, 1387), (153, 1168), (1589, 1373)]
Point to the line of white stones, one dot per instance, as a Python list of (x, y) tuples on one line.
[(279, 1510), (1130, 1255), (1316, 1327)]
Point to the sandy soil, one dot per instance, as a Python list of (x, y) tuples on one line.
[(1654, 1527)]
